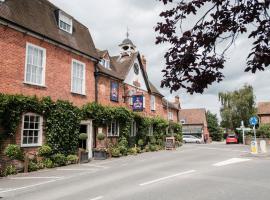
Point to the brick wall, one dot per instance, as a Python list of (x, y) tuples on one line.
[(104, 89), (265, 119), (57, 74)]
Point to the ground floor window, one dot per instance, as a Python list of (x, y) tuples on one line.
[(31, 130), (113, 129)]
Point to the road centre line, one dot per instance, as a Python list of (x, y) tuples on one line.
[(231, 161), (97, 198), (167, 177), (26, 187)]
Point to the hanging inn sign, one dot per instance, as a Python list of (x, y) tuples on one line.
[(137, 103)]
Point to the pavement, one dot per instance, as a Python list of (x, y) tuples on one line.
[(192, 172)]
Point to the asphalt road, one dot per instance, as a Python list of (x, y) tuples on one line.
[(197, 172)]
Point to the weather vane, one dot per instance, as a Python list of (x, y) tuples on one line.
[(127, 32)]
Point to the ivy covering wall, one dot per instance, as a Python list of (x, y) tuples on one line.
[(62, 121)]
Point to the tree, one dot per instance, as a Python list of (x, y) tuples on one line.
[(213, 126), (237, 106), (196, 56)]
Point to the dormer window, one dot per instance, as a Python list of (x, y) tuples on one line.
[(65, 22), (105, 63)]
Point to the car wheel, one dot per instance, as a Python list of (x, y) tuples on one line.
[(197, 142)]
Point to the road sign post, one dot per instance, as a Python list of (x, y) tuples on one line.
[(254, 146)]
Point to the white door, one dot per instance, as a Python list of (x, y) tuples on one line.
[(89, 142)]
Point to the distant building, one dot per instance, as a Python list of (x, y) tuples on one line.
[(264, 112), (194, 122)]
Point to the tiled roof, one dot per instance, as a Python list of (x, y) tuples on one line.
[(263, 108), (40, 17), (120, 66), (170, 104), (193, 116)]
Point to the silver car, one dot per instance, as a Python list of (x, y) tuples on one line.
[(191, 139)]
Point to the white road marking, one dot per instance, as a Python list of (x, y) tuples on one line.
[(167, 177), (76, 169), (97, 198), (34, 177), (26, 187), (93, 165), (231, 161)]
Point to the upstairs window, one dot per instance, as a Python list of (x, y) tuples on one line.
[(153, 103), (105, 63), (170, 116), (65, 22), (31, 130), (113, 129), (78, 77), (35, 65)]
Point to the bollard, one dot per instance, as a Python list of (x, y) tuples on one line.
[(254, 147), (263, 146)]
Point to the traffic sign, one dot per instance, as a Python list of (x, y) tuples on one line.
[(253, 121)]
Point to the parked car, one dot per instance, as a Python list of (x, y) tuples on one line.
[(231, 139), (191, 139)]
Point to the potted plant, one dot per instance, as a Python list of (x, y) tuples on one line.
[(83, 153), (100, 153)]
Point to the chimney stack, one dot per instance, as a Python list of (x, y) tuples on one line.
[(143, 62)]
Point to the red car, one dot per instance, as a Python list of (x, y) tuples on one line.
[(231, 139)]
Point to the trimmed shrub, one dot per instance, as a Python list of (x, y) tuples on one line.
[(72, 159), (59, 159), (140, 142), (48, 163), (10, 170), (83, 136), (32, 166), (45, 151), (133, 151), (123, 150), (13, 152), (153, 147), (115, 152), (101, 136)]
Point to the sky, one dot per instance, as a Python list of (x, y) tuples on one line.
[(107, 21)]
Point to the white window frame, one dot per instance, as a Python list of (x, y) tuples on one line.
[(43, 64), (83, 84), (170, 115), (40, 131), (116, 126), (105, 63), (65, 19), (153, 102), (133, 131)]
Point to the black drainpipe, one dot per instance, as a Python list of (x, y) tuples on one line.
[(96, 82)]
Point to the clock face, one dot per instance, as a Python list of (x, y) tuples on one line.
[(136, 68)]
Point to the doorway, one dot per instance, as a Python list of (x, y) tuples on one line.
[(86, 127)]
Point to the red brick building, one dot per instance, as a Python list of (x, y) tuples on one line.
[(194, 122), (264, 112), (46, 52)]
